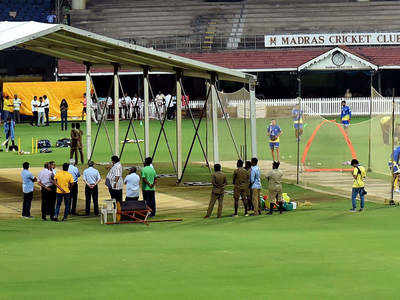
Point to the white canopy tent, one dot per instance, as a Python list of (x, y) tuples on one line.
[(90, 49)]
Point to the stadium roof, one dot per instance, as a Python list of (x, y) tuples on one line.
[(81, 46)]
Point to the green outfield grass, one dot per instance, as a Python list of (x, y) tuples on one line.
[(323, 252), (328, 150)]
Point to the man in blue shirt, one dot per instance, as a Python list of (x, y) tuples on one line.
[(274, 132), (255, 185), (91, 177), (394, 167), (9, 131), (297, 114), (74, 171), (27, 188), (345, 115)]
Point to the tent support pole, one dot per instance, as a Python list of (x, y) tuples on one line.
[(214, 117), (253, 124), (88, 113), (116, 110), (179, 123), (146, 112)]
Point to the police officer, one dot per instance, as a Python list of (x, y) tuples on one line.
[(241, 180), (219, 182), (275, 187)]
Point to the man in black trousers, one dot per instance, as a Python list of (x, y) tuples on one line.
[(46, 182), (91, 177)]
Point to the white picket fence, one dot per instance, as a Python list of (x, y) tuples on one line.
[(325, 106)]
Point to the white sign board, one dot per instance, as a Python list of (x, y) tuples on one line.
[(332, 39)]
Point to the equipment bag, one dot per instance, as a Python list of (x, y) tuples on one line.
[(63, 143), (43, 144)]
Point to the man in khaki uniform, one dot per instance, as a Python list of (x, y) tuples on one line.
[(275, 187), (241, 181), (218, 180)]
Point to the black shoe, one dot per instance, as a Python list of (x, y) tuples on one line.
[(64, 219), (56, 220)]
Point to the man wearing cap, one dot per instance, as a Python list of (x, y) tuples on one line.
[(91, 177), (74, 171)]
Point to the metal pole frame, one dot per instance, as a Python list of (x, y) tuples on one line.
[(116, 109), (88, 112), (229, 126), (163, 131), (194, 137), (130, 125), (146, 111), (102, 121), (196, 132), (253, 120), (245, 129)]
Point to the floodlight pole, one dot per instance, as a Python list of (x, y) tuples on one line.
[(214, 117), (253, 120), (88, 112), (146, 112), (179, 124), (116, 110)]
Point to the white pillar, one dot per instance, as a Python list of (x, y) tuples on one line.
[(146, 112), (78, 4), (179, 124), (88, 114), (214, 118), (116, 111), (253, 120)]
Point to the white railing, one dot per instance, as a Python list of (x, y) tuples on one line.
[(324, 106)]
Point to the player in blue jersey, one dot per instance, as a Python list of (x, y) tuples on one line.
[(297, 115), (394, 167), (345, 115), (274, 132)]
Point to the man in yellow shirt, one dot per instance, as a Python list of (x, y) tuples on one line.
[(63, 181), (359, 175)]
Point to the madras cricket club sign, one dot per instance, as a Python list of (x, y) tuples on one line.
[(332, 39)]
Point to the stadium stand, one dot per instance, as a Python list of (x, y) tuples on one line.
[(26, 10), (192, 25)]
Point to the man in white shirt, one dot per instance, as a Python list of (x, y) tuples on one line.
[(137, 104), (34, 108), (160, 98), (45, 180), (46, 103), (17, 105), (132, 182), (114, 180), (169, 106), (40, 111), (121, 106), (129, 108), (109, 108)]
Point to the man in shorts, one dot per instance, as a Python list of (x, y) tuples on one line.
[(274, 132), (297, 115)]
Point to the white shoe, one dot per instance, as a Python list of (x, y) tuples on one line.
[(397, 191)]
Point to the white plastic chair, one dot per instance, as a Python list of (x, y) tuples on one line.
[(110, 207)]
